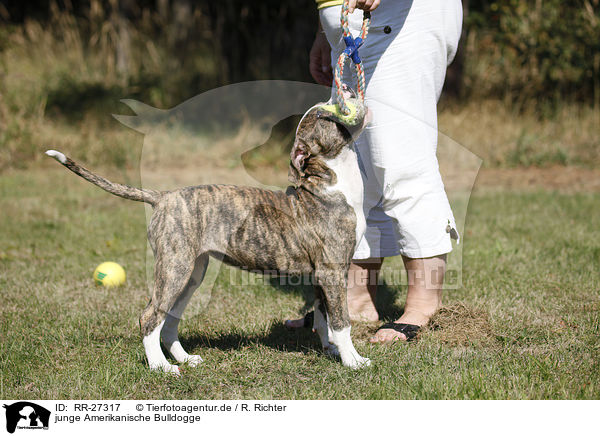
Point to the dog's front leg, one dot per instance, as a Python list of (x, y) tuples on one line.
[(321, 326), (332, 284)]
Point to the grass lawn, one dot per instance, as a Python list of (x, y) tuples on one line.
[(525, 324)]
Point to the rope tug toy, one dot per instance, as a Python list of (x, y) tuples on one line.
[(351, 53)]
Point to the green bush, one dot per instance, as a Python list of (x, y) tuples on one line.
[(547, 51)]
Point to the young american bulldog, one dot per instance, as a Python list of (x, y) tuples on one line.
[(311, 228)]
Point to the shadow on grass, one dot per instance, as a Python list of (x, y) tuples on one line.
[(282, 338), (278, 337)]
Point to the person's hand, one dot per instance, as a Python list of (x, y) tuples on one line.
[(320, 60), (365, 5), (320, 53)]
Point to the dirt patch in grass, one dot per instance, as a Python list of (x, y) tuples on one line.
[(558, 178), (455, 325), (566, 179), (461, 325)]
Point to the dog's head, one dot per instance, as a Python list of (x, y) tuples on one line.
[(322, 134)]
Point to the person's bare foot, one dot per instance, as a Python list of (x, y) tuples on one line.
[(424, 296), (391, 335), (294, 323)]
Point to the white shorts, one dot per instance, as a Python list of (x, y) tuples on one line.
[(405, 56)]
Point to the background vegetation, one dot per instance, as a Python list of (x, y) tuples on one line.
[(65, 65), (547, 51)]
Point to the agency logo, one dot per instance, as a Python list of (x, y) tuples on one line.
[(26, 415)]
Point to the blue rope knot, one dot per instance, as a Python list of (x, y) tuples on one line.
[(352, 46)]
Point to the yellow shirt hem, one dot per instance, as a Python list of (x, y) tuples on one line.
[(326, 3)]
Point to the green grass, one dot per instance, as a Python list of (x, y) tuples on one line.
[(530, 278)]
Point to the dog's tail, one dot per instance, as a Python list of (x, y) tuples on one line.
[(146, 195)]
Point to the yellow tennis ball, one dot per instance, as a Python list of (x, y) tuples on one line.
[(109, 274)]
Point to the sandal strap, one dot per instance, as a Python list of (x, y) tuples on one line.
[(408, 330), (309, 320)]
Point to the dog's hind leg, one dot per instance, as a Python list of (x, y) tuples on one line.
[(172, 271), (152, 316), (169, 332)]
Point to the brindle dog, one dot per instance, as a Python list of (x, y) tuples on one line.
[(311, 228)]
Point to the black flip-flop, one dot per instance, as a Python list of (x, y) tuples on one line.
[(409, 330), (309, 320)]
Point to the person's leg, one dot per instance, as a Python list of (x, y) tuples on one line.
[(362, 288), (423, 298), (424, 295)]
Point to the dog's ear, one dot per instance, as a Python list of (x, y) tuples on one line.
[(300, 153), (333, 112)]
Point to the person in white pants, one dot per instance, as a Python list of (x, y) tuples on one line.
[(405, 56)]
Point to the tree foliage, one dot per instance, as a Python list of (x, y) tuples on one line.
[(543, 50)]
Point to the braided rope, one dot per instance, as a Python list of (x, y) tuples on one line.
[(351, 53)]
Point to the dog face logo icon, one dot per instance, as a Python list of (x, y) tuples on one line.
[(26, 415)]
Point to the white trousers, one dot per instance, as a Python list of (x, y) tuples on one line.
[(405, 56)]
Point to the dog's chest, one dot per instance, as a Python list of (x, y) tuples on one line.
[(349, 183)]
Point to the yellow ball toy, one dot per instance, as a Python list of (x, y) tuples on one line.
[(109, 274)]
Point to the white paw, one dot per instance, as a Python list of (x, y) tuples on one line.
[(167, 368), (194, 360), (358, 362), (331, 351)]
